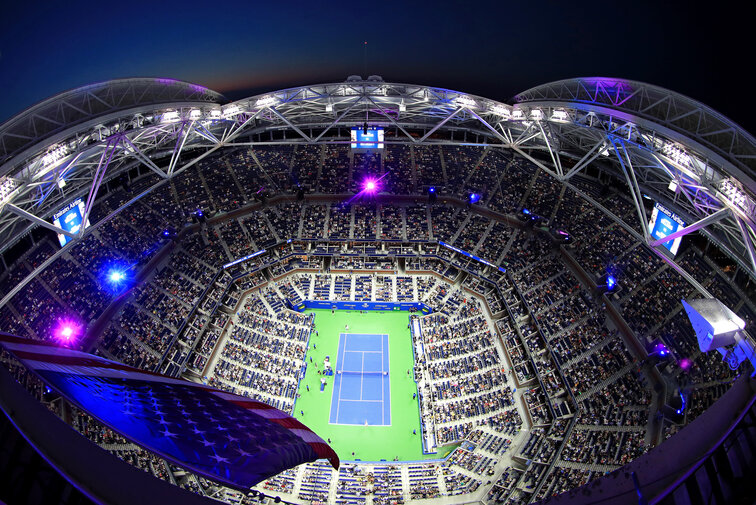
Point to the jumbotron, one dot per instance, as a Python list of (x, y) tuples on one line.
[(472, 301)]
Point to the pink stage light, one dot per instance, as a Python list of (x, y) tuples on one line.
[(370, 186), (67, 331), (685, 364)]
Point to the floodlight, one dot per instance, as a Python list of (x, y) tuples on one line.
[(465, 101), (116, 276), (230, 110), (717, 327), (66, 331), (610, 282), (170, 116), (501, 110), (370, 186), (559, 115)]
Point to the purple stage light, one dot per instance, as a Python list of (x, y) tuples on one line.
[(685, 364), (661, 349), (67, 331), (370, 186)]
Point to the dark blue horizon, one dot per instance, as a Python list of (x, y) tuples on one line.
[(488, 49)]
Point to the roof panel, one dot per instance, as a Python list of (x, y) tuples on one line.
[(47, 118)]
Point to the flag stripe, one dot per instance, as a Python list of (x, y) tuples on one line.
[(220, 435), (8, 338)]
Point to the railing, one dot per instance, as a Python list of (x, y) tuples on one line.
[(67, 462)]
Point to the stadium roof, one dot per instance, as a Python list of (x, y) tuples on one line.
[(98, 100), (659, 143)]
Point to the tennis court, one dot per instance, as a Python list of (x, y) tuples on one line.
[(361, 388)]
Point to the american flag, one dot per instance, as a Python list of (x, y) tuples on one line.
[(219, 435)]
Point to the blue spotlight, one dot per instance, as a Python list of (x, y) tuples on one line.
[(431, 190), (526, 211), (116, 276), (474, 197), (610, 282)]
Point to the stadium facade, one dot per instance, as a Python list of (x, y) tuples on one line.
[(529, 209)]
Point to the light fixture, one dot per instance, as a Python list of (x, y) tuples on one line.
[(230, 110), (170, 116), (501, 110), (265, 101), (465, 101), (559, 115)]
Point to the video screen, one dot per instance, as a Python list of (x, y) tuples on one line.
[(69, 218), (370, 138), (663, 223)]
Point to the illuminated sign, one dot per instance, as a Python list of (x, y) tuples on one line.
[(69, 218), (245, 258), (664, 222), (367, 138), (464, 253)]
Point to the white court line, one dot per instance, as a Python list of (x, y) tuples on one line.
[(383, 405), (388, 369), (338, 399), (362, 374)]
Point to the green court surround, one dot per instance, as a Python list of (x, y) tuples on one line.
[(369, 443)]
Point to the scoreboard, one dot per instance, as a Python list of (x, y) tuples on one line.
[(367, 138), (665, 222), (69, 218)]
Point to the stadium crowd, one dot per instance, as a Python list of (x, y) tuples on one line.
[(530, 351)]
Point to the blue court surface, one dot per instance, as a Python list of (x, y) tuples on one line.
[(361, 384)]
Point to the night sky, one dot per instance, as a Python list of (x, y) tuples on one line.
[(494, 49)]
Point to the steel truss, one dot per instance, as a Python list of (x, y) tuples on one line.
[(642, 135), (661, 144)]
